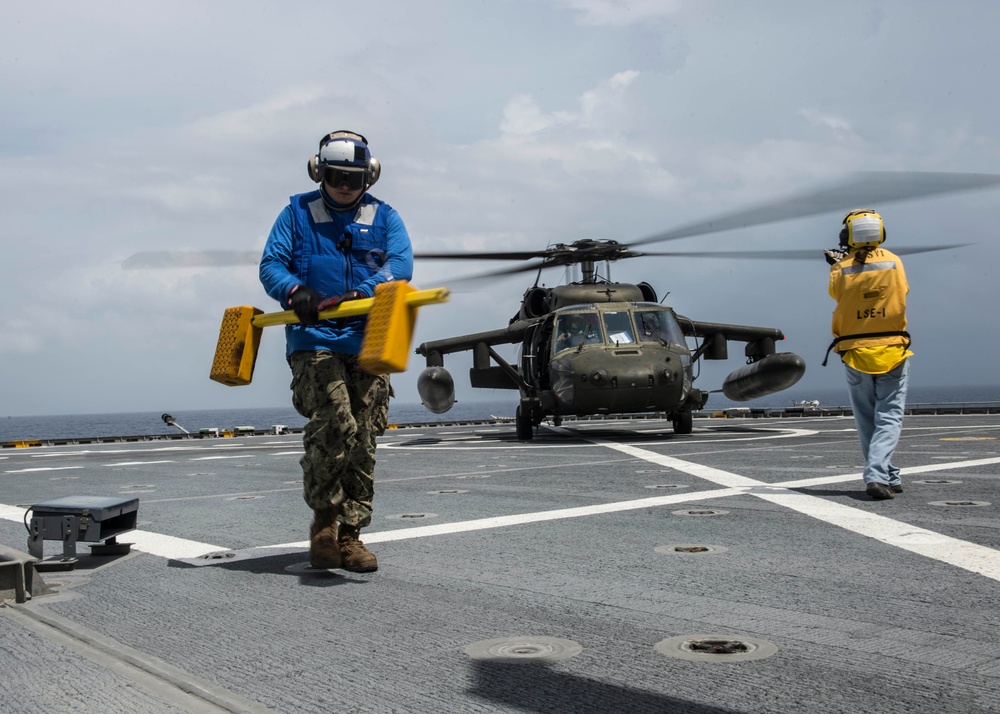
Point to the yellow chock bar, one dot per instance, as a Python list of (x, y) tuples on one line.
[(21, 443), (385, 348)]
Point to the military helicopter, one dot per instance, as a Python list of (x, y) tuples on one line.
[(594, 347), (599, 347)]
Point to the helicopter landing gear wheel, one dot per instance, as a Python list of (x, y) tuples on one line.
[(522, 420), (683, 423)]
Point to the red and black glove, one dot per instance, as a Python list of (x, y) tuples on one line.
[(331, 303)]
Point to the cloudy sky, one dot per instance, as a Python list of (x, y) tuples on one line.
[(509, 124)]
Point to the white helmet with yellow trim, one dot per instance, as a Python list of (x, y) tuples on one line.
[(863, 228)]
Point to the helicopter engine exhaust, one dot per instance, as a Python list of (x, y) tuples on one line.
[(765, 376), (437, 389)]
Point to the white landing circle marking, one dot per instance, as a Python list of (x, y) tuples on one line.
[(524, 648)]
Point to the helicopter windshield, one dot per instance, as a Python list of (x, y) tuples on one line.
[(619, 327), (576, 329), (658, 325)]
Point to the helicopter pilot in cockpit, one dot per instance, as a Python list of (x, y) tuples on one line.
[(577, 329)]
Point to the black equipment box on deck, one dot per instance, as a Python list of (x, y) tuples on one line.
[(100, 517), (90, 519)]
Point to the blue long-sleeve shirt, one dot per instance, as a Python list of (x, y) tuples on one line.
[(333, 252)]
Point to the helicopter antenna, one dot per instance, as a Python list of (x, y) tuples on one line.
[(607, 272)]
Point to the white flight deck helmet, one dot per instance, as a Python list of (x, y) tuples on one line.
[(345, 154), (863, 228)]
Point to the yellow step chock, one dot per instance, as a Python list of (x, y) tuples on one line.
[(385, 348)]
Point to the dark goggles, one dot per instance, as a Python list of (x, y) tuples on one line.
[(335, 177)]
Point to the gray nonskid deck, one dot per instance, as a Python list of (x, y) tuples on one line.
[(571, 538)]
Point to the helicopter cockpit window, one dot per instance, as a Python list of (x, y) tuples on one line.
[(577, 329), (619, 327), (658, 326)]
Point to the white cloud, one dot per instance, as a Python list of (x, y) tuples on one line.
[(523, 116), (832, 122), (256, 120), (597, 107)]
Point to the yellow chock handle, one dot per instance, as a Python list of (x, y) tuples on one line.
[(384, 349), (352, 308)]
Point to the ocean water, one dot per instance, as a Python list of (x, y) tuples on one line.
[(77, 426)]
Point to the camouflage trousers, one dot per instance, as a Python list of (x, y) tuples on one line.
[(347, 408)]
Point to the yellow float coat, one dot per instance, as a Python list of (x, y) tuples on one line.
[(871, 299)]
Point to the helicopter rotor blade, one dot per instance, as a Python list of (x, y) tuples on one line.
[(511, 255), (527, 268), (797, 254), (167, 259), (864, 188), (190, 259)]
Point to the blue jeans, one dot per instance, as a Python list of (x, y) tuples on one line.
[(878, 401)]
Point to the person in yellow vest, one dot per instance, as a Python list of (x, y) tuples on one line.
[(869, 329)]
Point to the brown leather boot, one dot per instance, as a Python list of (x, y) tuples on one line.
[(323, 549), (353, 554)]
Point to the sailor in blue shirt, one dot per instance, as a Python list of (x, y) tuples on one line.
[(327, 246)]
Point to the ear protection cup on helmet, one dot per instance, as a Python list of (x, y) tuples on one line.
[(863, 228), (314, 171)]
